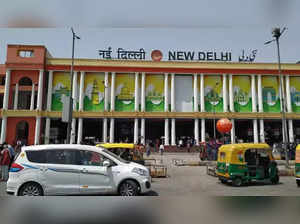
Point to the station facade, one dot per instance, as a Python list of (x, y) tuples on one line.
[(140, 100)]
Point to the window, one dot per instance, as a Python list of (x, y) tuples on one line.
[(26, 53), (89, 158), (36, 156), (61, 157)]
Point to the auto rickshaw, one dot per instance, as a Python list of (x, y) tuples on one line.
[(127, 151), (246, 162), (297, 165)]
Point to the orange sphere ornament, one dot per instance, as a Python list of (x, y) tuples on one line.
[(224, 125)]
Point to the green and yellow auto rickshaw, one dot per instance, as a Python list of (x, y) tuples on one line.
[(246, 162), (297, 165)]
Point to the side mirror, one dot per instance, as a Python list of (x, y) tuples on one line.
[(106, 163)]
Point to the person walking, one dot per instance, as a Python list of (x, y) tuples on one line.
[(161, 149), (5, 162), (148, 150)]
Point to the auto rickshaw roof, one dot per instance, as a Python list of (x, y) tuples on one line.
[(116, 145), (298, 147), (244, 146)]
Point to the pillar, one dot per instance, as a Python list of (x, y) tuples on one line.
[(106, 95), (47, 131), (104, 137), (202, 102), (112, 130), (173, 132), (40, 90), (16, 97), (49, 102), (232, 131), (112, 95), (288, 94), (81, 91), (172, 92), (37, 131), (143, 109), (167, 142), (196, 131), (6, 90), (80, 125), (166, 91), (3, 129), (136, 92), (136, 131), (32, 97), (202, 130), (225, 101), (196, 94), (231, 100), (254, 106), (291, 131), (259, 92), (262, 130), (255, 131), (73, 130), (143, 137), (74, 96)]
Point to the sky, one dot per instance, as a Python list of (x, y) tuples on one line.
[(167, 25)]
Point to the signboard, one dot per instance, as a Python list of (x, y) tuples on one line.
[(60, 90), (155, 100), (270, 94), (124, 90), (213, 93), (242, 98), (295, 93)]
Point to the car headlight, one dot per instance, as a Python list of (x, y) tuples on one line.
[(139, 171)]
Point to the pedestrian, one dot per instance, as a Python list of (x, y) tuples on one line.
[(161, 149), (5, 162), (148, 150)]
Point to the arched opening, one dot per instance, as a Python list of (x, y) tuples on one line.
[(24, 96), (22, 132)]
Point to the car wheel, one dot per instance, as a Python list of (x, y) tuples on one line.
[(237, 182), (275, 180), (128, 188), (31, 189), (298, 183)]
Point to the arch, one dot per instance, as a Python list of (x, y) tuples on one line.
[(25, 81), (22, 131)]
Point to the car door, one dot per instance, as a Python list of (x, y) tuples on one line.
[(61, 172), (94, 177)]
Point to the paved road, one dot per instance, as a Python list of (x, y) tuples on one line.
[(190, 181)]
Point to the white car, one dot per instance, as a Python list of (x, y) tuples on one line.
[(75, 170)]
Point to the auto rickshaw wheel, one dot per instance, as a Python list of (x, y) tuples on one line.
[(223, 181), (237, 182), (298, 183), (275, 180)]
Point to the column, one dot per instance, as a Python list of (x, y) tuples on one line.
[(73, 129), (37, 131), (16, 97), (202, 130), (232, 132), (143, 137), (106, 93), (196, 93), (3, 129), (112, 130), (202, 102), (259, 91), (74, 96), (136, 131), (262, 130), (291, 131), (32, 97), (288, 94), (143, 109), (104, 137), (167, 132), (225, 101), (81, 92), (49, 102), (6, 90), (173, 132), (172, 92), (136, 92), (255, 131), (196, 131), (231, 100), (112, 95), (80, 125), (166, 90), (40, 90)]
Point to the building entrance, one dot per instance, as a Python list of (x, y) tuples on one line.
[(124, 129), (22, 132), (92, 130), (244, 131)]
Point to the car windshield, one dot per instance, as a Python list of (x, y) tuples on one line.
[(115, 156)]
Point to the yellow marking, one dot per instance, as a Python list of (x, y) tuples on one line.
[(85, 186), (22, 155)]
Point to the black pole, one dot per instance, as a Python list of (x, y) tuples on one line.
[(69, 128)]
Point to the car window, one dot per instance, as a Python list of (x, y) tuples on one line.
[(36, 156), (61, 157), (90, 158)]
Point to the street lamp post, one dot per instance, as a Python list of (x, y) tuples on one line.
[(71, 90), (276, 32)]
